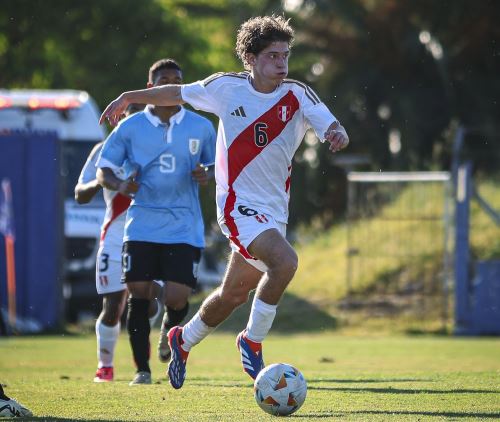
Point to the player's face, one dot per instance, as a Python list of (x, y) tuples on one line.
[(271, 63), (167, 76)]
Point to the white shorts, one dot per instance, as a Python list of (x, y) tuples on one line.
[(109, 271), (244, 230)]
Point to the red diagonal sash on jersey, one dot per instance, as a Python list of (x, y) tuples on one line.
[(244, 149), (288, 180), (119, 205)]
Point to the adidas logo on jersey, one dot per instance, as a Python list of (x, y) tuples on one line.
[(239, 112)]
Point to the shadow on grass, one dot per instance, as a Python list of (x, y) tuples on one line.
[(51, 419), (294, 315), (362, 381), (402, 390), (61, 330), (391, 413)]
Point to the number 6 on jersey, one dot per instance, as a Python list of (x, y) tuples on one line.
[(260, 135)]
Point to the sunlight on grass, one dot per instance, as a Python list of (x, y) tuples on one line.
[(390, 248), (349, 378)]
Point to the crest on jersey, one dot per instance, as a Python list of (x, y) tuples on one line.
[(284, 113), (194, 146)]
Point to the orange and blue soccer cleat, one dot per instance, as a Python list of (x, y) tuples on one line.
[(251, 355), (104, 374), (177, 365)]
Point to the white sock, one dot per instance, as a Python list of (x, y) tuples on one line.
[(194, 332), (106, 341), (260, 320)]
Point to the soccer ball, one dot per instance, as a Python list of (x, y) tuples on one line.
[(280, 389)]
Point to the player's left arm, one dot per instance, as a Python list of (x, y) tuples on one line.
[(322, 120), (337, 136), (88, 186), (204, 171), (84, 192), (201, 174)]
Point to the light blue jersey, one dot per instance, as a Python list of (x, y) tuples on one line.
[(166, 209)]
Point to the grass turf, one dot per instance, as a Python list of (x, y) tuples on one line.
[(361, 378)]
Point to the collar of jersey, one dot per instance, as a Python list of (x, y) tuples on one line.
[(262, 94), (155, 120)]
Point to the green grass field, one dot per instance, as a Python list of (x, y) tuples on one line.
[(359, 367), (361, 378)]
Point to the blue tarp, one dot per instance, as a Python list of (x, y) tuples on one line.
[(31, 162)]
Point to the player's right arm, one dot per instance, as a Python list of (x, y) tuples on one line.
[(201, 95), (165, 95), (107, 178), (114, 154), (88, 186)]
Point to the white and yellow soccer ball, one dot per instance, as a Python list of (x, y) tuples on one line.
[(280, 389)]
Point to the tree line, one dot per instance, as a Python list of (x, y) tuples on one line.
[(401, 75)]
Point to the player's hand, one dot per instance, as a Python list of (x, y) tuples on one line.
[(128, 187), (337, 137), (200, 174), (115, 110)]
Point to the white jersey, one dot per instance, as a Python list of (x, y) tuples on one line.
[(116, 207), (257, 137)]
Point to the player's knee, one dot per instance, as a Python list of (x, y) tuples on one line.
[(234, 297), (286, 266), (110, 316), (139, 290), (111, 311), (176, 303)]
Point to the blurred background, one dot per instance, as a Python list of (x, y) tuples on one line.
[(400, 231)]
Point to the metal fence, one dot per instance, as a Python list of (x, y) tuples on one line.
[(398, 233)]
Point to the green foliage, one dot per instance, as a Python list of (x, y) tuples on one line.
[(358, 378), (102, 47), (424, 62), (417, 68)]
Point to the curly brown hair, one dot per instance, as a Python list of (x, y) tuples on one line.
[(258, 33)]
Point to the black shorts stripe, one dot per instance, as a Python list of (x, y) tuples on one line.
[(240, 75), (308, 91)]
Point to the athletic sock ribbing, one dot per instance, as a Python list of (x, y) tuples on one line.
[(260, 320), (107, 336), (194, 332)]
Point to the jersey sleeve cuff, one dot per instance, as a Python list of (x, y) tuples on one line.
[(104, 163)]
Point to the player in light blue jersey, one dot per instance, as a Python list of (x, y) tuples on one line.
[(172, 150)]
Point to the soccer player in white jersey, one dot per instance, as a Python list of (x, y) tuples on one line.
[(263, 119), (108, 262), (171, 147)]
